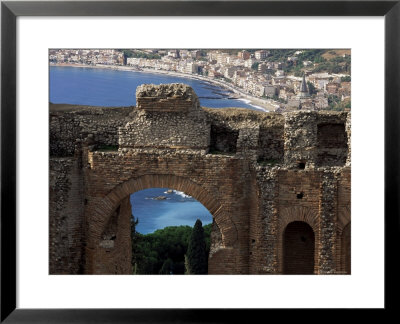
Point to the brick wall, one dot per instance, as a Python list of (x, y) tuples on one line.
[(343, 222), (271, 143), (316, 139), (66, 224), (69, 123), (171, 105), (332, 145), (166, 116), (212, 180), (115, 247), (257, 173)]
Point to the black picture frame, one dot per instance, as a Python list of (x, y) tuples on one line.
[(10, 10)]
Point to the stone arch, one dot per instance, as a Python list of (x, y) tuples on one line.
[(343, 240), (102, 210), (297, 214)]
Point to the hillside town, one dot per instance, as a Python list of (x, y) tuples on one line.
[(288, 79)]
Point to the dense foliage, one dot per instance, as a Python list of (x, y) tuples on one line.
[(311, 88), (336, 64), (139, 54), (278, 55), (333, 67), (163, 252), (255, 65), (336, 104)]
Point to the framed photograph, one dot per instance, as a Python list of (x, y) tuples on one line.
[(110, 109)]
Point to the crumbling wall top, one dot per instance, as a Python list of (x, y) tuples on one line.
[(169, 90), (173, 97)]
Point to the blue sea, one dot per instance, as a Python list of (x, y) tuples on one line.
[(110, 88), (158, 208)]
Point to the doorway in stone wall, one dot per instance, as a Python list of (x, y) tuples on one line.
[(298, 248), (165, 239)]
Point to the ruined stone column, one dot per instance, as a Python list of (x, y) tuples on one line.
[(328, 202), (348, 132)]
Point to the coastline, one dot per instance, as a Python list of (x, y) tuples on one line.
[(266, 105)]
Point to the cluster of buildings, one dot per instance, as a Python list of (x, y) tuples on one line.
[(249, 72), (87, 56)]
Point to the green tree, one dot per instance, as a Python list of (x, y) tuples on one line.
[(311, 88), (255, 65), (167, 267), (334, 103), (136, 254), (140, 54), (196, 253), (298, 73), (150, 252)]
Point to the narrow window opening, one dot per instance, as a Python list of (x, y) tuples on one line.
[(300, 195), (223, 140)]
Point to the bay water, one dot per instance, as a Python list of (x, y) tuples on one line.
[(113, 88)]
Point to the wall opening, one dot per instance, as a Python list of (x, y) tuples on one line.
[(331, 145), (270, 145), (223, 140), (298, 248), (162, 225), (114, 256)]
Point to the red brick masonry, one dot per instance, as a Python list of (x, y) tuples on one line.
[(277, 185)]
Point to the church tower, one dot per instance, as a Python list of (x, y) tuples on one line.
[(303, 93)]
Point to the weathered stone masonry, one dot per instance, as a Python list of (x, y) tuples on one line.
[(278, 186)]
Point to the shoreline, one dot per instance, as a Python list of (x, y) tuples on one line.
[(266, 105), (258, 103)]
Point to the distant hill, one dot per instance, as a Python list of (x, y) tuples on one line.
[(330, 54)]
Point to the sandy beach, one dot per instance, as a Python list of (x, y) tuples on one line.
[(256, 102), (262, 104)]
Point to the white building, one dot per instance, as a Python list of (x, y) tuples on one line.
[(261, 54)]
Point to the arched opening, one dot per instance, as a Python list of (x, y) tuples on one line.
[(345, 256), (165, 239), (110, 252), (298, 248)]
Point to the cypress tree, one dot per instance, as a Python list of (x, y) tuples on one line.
[(135, 237), (196, 252)]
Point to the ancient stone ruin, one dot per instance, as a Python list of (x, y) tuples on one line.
[(277, 185)]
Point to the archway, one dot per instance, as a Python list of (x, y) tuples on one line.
[(298, 249), (102, 255), (297, 214)]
